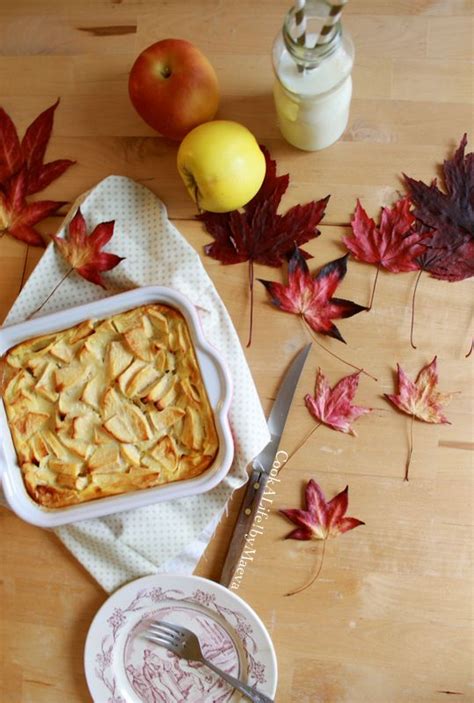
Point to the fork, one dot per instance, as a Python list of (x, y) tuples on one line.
[(185, 644)]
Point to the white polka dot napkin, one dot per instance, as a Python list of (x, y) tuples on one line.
[(170, 536)]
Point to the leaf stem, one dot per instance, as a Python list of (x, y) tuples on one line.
[(413, 308), (303, 441), (371, 302), (410, 451), (50, 294), (314, 576), (22, 281), (344, 361), (251, 287)]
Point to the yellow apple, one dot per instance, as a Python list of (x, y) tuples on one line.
[(222, 165)]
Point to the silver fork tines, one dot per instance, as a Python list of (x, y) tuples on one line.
[(184, 643), (166, 631), (166, 635)]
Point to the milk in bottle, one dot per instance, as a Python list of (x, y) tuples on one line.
[(313, 85)]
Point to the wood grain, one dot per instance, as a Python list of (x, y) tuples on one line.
[(390, 618)]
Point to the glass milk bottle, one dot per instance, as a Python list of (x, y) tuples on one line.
[(313, 85)]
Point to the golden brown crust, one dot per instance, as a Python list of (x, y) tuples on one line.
[(107, 407)]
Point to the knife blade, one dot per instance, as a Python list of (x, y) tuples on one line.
[(262, 466)]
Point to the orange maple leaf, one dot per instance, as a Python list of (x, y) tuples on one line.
[(420, 399)]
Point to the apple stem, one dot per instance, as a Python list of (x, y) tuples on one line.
[(196, 198), (251, 287), (470, 350)]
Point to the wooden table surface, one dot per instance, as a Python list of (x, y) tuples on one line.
[(390, 618)]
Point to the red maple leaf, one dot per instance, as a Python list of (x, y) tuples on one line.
[(319, 520), (83, 251), (333, 406), (23, 172), (311, 296), (420, 399), (394, 245), (258, 234), (450, 217)]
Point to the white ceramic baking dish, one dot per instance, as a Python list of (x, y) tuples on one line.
[(216, 379)]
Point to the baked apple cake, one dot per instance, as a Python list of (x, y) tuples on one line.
[(109, 406)]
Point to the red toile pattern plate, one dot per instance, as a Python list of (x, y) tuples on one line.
[(122, 666)]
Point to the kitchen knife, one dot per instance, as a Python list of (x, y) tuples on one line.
[(263, 469)]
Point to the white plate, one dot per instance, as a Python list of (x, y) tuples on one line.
[(123, 667)]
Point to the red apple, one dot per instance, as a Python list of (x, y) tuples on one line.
[(173, 86)]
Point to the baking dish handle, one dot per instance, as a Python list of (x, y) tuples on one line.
[(219, 381), (3, 468)]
